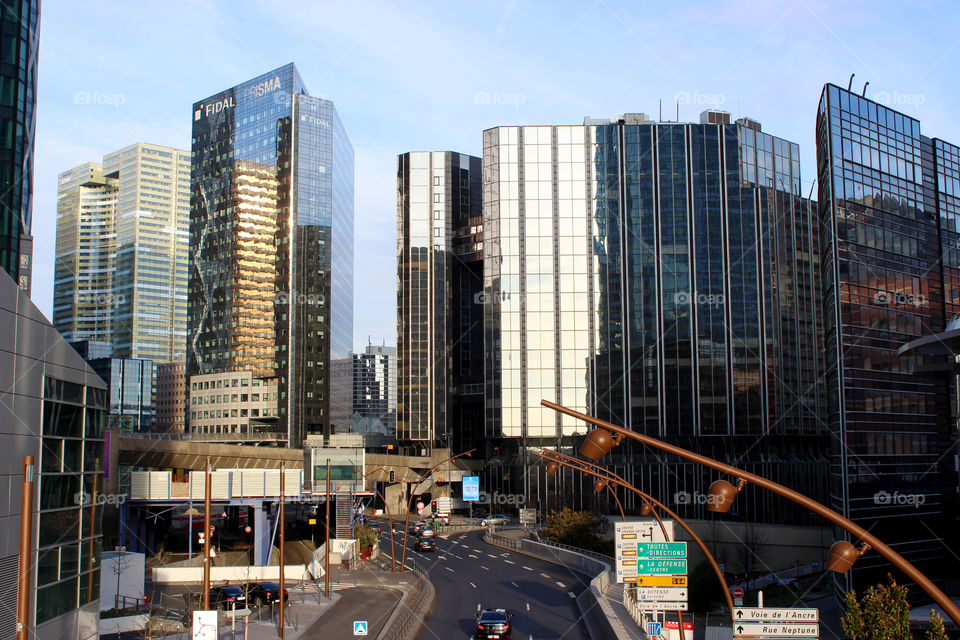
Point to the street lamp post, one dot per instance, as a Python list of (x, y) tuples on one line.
[(557, 458), (406, 520), (842, 553)]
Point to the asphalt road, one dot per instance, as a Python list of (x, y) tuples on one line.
[(359, 603), (467, 573)]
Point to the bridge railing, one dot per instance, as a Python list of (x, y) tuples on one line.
[(411, 611)]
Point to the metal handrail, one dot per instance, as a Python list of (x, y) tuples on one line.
[(414, 610)]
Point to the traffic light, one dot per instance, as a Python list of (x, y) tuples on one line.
[(433, 506), (393, 475)]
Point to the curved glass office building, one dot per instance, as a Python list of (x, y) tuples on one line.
[(271, 251)]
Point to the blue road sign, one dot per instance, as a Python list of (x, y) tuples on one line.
[(654, 628), (359, 627), (471, 487)]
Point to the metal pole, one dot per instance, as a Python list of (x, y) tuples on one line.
[(849, 526), (610, 477), (282, 523), (206, 537), (26, 544), (326, 546), (91, 563)]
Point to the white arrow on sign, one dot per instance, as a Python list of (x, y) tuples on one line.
[(657, 605), (776, 630), (662, 593), (752, 614)]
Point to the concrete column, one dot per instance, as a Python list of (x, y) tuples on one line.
[(261, 534)]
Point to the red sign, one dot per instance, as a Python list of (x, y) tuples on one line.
[(672, 624), (737, 592)]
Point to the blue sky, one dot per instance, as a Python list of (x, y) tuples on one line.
[(433, 75)]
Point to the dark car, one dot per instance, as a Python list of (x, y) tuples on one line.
[(227, 598), (493, 623), (425, 544), (419, 526), (259, 593)]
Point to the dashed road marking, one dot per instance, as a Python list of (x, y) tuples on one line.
[(509, 561), (449, 569), (473, 585), (571, 594), (484, 568), (471, 555), (545, 575), (561, 585), (528, 606), (528, 568), (517, 586)]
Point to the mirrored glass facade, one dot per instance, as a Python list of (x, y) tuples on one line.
[(20, 23), (889, 233), (271, 244), (440, 300), (662, 276)]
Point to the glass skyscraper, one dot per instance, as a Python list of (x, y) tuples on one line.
[(122, 240), (271, 248), (888, 208), (20, 26), (440, 300), (375, 390), (662, 276)]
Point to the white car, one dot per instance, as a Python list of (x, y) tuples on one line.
[(497, 519)]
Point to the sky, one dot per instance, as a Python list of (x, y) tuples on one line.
[(413, 76)]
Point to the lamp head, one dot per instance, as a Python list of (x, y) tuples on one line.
[(721, 497), (599, 486), (646, 509), (552, 468), (842, 556), (597, 444)]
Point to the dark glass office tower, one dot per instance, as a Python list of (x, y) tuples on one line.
[(662, 276), (271, 247), (888, 208), (440, 301), (20, 26)]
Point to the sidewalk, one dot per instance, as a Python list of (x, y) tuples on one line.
[(308, 604)]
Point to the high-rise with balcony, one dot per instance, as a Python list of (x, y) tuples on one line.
[(271, 255), (439, 300), (20, 24), (889, 207), (662, 276), (121, 256)]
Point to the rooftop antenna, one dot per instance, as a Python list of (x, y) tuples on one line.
[(864, 94), (678, 111), (850, 84), (660, 119)]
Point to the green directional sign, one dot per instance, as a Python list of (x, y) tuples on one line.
[(661, 566), (661, 549)]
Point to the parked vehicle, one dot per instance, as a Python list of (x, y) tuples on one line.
[(259, 593), (227, 597)]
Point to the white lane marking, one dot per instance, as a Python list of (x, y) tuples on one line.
[(475, 551), (447, 568), (507, 561), (481, 566), (471, 555), (542, 575), (559, 584), (528, 606), (489, 555), (473, 585), (511, 582), (571, 594)]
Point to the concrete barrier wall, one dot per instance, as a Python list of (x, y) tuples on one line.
[(598, 615), (233, 574)]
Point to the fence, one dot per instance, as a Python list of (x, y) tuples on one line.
[(409, 616), (767, 579)]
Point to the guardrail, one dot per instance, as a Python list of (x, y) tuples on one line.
[(409, 616), (211, 437), (598, 615)]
